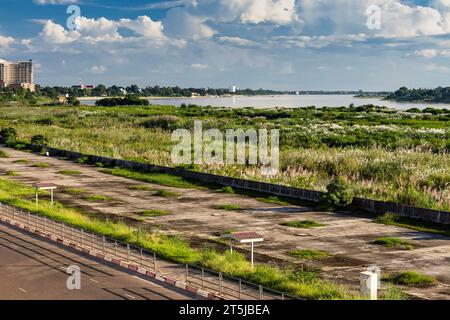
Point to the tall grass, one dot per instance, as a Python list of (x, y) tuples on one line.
[(391, 156)]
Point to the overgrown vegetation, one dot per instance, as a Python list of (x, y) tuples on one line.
[(228, 207), (156, 178), (70, 172), (97, 198), (381, 154), (41, 165), (339, 194), (166, 193), (414, 224), (273, 200), (411, 278), (304, 224), (74, 191), (392, 242), (309, 254), (154, 213), (141, 188), (303, 283)]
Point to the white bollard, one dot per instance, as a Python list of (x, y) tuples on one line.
[(369, 285)]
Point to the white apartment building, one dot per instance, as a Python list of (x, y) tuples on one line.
[(17, 74)]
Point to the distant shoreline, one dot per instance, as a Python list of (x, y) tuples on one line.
[(223, 96)]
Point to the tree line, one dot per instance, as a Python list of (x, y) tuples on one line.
[(440, 94)]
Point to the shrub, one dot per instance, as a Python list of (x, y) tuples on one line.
[(227, 189), (339, 193), (8, 135), (163, 122), (129, 100), (39, 140)]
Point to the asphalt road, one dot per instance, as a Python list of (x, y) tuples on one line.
[(33, 269)]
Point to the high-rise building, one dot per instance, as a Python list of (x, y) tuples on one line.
[(17, 74)]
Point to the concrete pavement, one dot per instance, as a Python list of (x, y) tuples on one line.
[(32, 269)]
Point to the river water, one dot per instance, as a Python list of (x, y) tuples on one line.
[(287, 101)]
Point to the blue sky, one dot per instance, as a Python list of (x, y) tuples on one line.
[(277, 44)]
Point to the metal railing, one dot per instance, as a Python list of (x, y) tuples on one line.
[(201, 278)]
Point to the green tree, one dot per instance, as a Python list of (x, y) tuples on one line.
[(339, 194)]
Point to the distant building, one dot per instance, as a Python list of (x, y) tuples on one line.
[(233, 89), (83, 86), (17, 75)]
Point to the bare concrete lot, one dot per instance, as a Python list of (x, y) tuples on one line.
[(348, 238)]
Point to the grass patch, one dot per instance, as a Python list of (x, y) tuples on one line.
[(74, 191), (273, 200), (141, 188), (21, 161), (97, 198), (302, 283), (156, 178), (154, 213), (228, 207), (413, 224), (392, 242), (394, 293), (3, 154), (227, 189), (41, 165), (12, 173), (411, 278), (69, 172), (309, 254), (304, 224), (166, 193)]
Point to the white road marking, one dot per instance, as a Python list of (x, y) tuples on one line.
[(129, 296)]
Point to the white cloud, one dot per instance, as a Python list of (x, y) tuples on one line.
[(437, 68), (237, 41), (145, 27), (97, 30), (5, 42), (432, 53), (98, 69), (103, 30), (55, 1), (199, 66), (258, 11), (398, 19), (180, 23), (427, 53), (278, 12), (55, 34)]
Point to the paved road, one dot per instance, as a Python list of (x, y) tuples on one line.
[(32, 269)]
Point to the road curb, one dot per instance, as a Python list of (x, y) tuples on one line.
[(121, 263)]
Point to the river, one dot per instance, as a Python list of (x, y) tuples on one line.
[(287, 101)]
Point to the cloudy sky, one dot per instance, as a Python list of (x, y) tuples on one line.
[(276, 44)]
